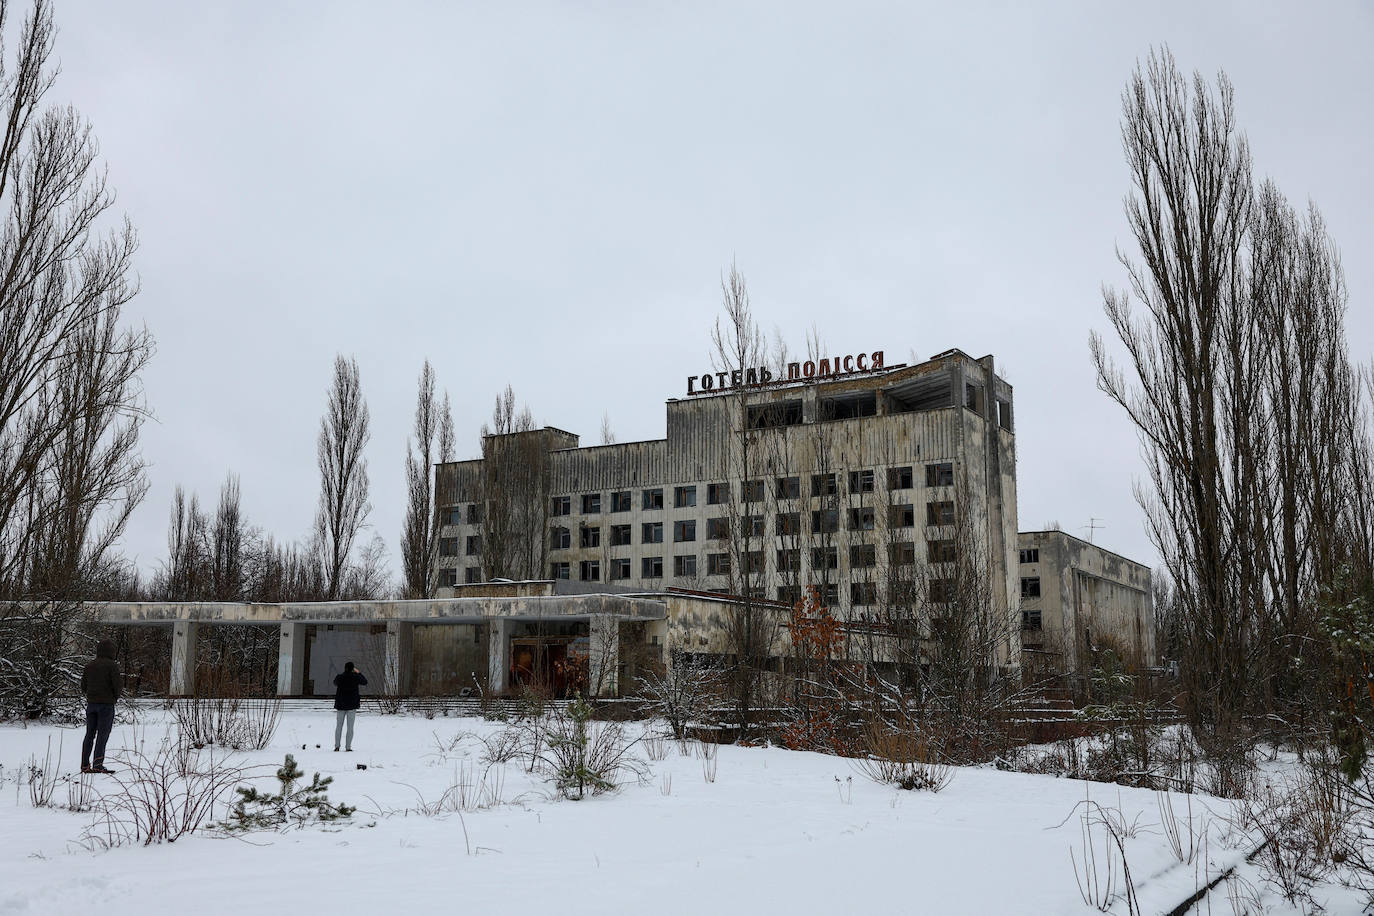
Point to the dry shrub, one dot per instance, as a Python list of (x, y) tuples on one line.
[(1305, 827), (228, 721), (901, 759)]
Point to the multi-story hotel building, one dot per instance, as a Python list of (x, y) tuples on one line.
[(848, 474)]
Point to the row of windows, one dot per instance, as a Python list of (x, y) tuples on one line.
[(861, 556), (862, 518)]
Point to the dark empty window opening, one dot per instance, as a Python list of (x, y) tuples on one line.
[(926, 394), (591, 503), (1030, 620), (620, 501), (653, 499), (973, 397), (899, 478), (847, 407), (562, 505), (1030, 555), (1030, 586), (589, 537), (940, 475), (717, 493), (783, 413), (620, 535)]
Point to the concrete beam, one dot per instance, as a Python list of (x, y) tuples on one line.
[(398, 657), (604, 664), (291, 660), (498, 655), (183, 674)]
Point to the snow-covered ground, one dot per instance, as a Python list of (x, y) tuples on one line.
[(777, 831)]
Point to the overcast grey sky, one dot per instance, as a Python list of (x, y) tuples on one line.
[(546, 194)]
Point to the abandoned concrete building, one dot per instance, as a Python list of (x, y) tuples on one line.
[(869, 481), (1077, 598)]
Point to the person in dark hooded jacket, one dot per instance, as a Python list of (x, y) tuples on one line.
[(346, 702), (101, 683)]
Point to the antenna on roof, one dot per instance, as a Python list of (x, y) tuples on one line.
[(1092, 527)]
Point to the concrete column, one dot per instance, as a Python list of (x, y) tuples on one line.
[(291, 660), (398, 652), (604, 663), (183, 675), (498, 654)]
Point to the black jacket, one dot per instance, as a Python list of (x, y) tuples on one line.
[(100, 682), (346, 690)]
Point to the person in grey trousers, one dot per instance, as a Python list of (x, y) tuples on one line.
[(346, 702)]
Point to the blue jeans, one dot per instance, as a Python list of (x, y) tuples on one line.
[(99, 720), (340, 715)]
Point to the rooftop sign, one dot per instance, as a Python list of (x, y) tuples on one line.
[(810, 370)]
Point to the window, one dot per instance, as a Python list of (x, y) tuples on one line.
[(684, 497), (591, 503), (902, 516), (788, 487), (589, 536), (448, 547), (620, 568), (620, 501), (789, 594), (899, 478), (789, 560), (475, 514), (651, 568), (454, 516), (474, 545), (1003, 414), (448, 577), (973, 397), (825, 521), (651, 533), (562, 505), (1030, 586), (685, 565), (684, 531), (830, 594), (753, 491), (718, 564), (787, 523), (754, 563), (861, 518), (860, 481), (940, 513), (825, 557), (717, 493), (1030, 555), (560, 570), (943, 551), (784, 413), (472, 574), (940, 475), (560, 538), (863, 556), (589, 570), (717, 529), (1030, 620), (863, 593), (824, 485), (653, 499), (751, 526), (620, 535), (941, 591), (902, 553)]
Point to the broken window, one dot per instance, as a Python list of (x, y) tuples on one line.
[(717, 529), (789, 560), (453, 516), (788, 487), (653, 499), (620, 568), (902, 553), (751, 526), (782, 413), (717, 564), (787, 523), (830, 594), (863, 556), (475, 514), (753, 491), (940, 513), (562, 505), (1030, 620), (940, 475), (789, 594), (847, 407), (620, 501), (652, 533), (942, 551), (474, 545), (684, 497), (1030, 586), (824, 485), (861, 518), (589, 536), (825, 558), (825, 521), (472, 574), (620, 535), (861, 481), (591, 503), (899, 478), (651, 568), (448, 547), (448, 577), (560, 570), (589, 570), (1004, 414), (717, 494), (1030, 555), (685, 565), (685, 531), (863, 593), (901, 516), (941, 591), (560, 538), (973, 397)]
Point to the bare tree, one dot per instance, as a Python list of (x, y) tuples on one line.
[(514, 492), (607, 434), (420, 533), (344, 505)]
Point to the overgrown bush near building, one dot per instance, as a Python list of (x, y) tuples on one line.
[(901, 759), (682, 692), (581, 757)]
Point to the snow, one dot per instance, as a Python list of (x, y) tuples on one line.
[(777, 831)]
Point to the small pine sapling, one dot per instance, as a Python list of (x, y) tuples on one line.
[(291, 805)]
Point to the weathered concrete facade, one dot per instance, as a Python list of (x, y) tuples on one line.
[(1076, 597), (846, 478)]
